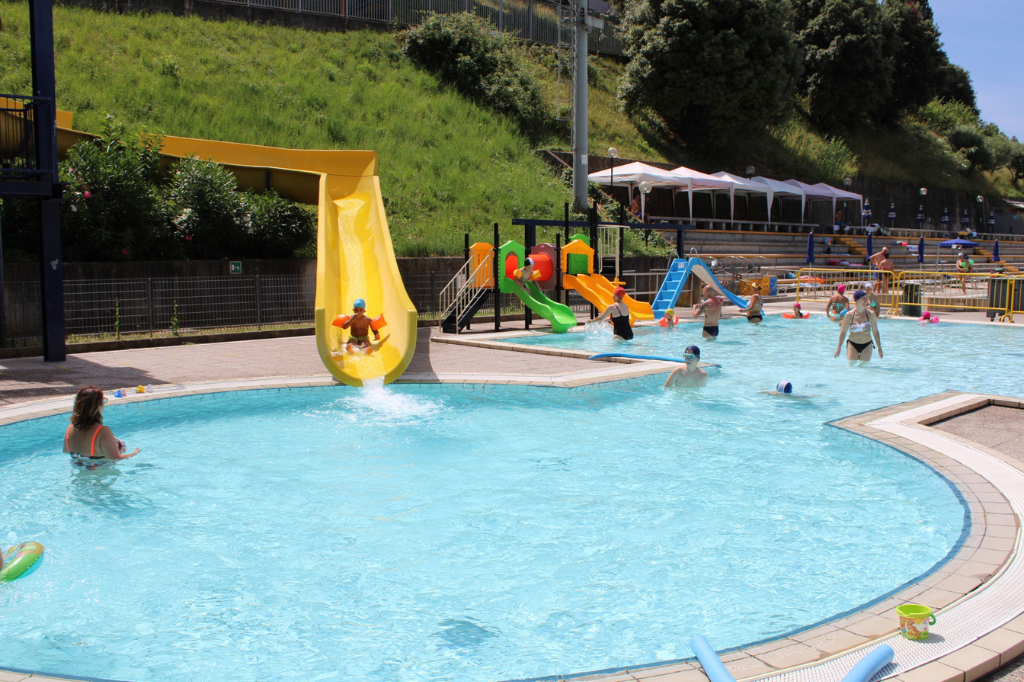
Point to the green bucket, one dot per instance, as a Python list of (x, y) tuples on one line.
[(915, 620)]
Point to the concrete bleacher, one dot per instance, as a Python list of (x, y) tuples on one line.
[(789, 251)]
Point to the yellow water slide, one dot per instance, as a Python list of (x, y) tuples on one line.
[(355, 257)]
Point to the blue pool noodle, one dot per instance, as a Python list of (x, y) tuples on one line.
[(635, 357), (865, 669), (869, 665), (713, 667)]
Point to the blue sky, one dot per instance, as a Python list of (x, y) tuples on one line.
[(983, 36)]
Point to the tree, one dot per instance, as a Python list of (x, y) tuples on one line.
[(717, 71), (1016, 162), (917, 57), (957, 87), (970, 142), (848, 61)]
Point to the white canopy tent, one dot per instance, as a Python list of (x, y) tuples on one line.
[(632, 174), (696, 181), (747, 187), (823, 192), (779, 188)]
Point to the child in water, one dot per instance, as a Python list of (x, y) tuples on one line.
[(359, 324), (670, 320)]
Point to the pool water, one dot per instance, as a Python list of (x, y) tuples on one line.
[(482, 534)]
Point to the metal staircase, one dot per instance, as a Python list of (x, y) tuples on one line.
[(465, 295)]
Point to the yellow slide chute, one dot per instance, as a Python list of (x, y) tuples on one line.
[(355, 257)]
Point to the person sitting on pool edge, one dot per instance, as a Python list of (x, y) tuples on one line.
[(618, 311), (86, 437), (689, 375), (711, 306), (359, 324), (838, 304)]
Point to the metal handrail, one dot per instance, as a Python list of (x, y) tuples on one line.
[(957, 290), (459, 292)]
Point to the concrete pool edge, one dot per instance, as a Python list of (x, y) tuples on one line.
[(989, 548)]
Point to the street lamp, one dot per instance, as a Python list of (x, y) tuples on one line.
[(847, 182), (614, 153), (750, 171)]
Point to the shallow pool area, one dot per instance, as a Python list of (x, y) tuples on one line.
[(484, 533)]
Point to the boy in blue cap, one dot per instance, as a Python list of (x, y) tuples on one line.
[(689, 375), (359, 324)]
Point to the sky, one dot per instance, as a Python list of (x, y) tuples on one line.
[(984, 37)]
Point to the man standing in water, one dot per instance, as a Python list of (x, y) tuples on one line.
[(689, 375), (711, 306)]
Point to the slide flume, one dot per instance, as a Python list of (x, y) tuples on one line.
[(679, 272), (561, 317)]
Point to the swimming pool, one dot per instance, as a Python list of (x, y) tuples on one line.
[(426, 532)]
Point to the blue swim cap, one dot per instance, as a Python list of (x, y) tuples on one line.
[(859, 294), (529, 261), (694, 350), (359, 303), (784, 387)]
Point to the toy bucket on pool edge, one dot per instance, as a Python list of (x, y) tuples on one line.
[(914, 620)]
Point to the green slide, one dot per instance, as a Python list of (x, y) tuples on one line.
[(562, 319)]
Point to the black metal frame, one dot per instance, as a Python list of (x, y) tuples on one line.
[(38, 177)]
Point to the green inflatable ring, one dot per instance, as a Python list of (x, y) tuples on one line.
[(21, 560)]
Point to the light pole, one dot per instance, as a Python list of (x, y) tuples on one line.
[(614, 154), (645, 189), (981, 205)]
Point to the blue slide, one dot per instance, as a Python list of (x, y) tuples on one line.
[(866, 668), (675, 280)]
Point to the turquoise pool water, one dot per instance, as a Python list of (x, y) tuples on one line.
[(480, 534)]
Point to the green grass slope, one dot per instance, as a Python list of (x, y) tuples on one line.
[(446, 165)]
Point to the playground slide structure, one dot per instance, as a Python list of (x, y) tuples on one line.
[(593, 286), (511, 256), (355, 257), (678, 273)]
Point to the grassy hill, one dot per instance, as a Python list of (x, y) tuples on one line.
[(447, 166)]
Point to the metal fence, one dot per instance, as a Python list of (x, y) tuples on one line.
[(128, 308), (18, 151), (535, 21)]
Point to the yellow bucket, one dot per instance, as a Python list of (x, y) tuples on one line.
[(915, 620)]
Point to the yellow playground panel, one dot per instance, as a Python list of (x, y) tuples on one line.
[(594, 287)]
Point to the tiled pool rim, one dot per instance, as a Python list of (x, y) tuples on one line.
[(825, 651)]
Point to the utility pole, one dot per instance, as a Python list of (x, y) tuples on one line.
[(579, 120)]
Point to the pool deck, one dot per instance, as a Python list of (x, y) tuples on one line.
[(976, 442)]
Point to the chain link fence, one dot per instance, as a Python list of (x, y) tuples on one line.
[(534, 21), (113, 309)]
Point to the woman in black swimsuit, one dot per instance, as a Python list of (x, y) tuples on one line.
[(86, 437), (862, 325), (619, 314), (753, 310)]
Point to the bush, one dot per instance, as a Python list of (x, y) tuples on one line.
[(466, 52), (114, 211), (943, 116), (203, 200), (970, 142)]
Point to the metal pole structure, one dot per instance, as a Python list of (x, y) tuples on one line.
[(149, 297), (530, 237), (497, 288), (465, 250), (259, 305), (3, 293), (567, 222), (44, 85), (579, 125), (558, 268)]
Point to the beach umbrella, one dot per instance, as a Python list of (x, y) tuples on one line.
[(945, 217), (920, 214), (810, 248), (920, 249), (995, 252), (866, 211), (870, 249), (950, 243), (992, 219), (892, 214), (966, 220)]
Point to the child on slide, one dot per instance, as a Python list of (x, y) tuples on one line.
[(359, 324)]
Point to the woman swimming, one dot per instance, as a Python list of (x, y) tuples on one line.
[(838, 305), (86, 438), (861, 324)]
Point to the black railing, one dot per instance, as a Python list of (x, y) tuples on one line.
[(19, 151)]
